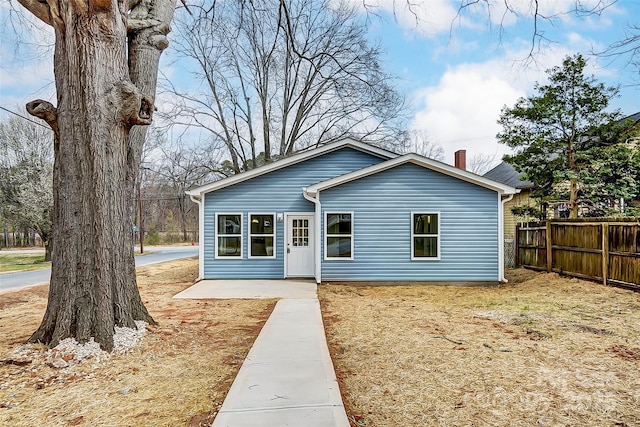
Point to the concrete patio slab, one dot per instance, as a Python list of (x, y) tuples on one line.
[(250, 289), (287, 378)]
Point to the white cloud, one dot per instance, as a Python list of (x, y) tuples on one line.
[(461, 111), (425, 18), (428, 18)]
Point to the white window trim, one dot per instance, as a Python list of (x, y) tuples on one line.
[(250, 235), (215, 246), (437, 236), (326, 235)]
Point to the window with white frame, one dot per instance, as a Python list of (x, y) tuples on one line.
[(425, 235), (262, 231), (229, 235), (338, 235)]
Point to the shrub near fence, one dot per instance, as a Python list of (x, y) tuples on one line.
[(606, 250)]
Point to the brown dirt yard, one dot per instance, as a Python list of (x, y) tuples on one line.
[(541, 350), (177, 376)]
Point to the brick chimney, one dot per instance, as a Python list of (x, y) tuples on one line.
[(461, 159)]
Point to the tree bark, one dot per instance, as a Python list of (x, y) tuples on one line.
[(93, 286), (145, 45)]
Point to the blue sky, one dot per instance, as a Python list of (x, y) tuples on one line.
[(455, 72), (458, 76)]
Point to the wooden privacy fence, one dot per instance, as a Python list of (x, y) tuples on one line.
[(606, 250)]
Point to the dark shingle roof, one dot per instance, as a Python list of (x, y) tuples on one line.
[(635, 118), (506, 174)]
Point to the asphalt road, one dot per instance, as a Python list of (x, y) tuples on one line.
[(155, 255)]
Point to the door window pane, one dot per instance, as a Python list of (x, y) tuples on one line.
[(300, 232)]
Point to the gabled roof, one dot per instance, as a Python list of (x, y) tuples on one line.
[(506, 174), (416, 159), (292, 160)]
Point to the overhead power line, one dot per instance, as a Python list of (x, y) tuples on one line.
[(24, 118)]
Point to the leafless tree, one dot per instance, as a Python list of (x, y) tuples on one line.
[(177, 167), (479, 163), (279, 76), (420, 143)]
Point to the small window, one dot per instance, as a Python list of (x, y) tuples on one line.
[(229, 235), (262, 231), (339, 235), (300, 232), (425, 236)]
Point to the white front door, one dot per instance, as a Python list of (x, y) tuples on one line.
[(299, 250)]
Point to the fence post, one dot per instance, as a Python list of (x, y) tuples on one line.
[(516, 257), (605, 252), (549, 248)]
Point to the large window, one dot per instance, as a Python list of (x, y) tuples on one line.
[(425, 236), (339, 235), (262, 230), (229, 235)]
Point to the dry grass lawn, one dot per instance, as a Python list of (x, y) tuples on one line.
[(178, 375), (542, 350)]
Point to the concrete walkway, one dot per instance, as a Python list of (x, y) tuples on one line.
[(288, 378), (250, 289)]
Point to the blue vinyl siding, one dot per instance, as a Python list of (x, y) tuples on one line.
[(279, 191), (382, 206)]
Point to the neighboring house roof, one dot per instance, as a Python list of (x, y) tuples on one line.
[(288, 161), (633, 117), (506, 174), (416, 159)]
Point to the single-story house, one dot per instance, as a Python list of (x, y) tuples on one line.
[(349, 211)]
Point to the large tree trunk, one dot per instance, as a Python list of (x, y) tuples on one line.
[(148, 27), (93, 286)]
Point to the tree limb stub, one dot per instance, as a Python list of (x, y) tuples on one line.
[(39, 9), (133, 107), (45, 111), (140, 24), (159, 41)]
